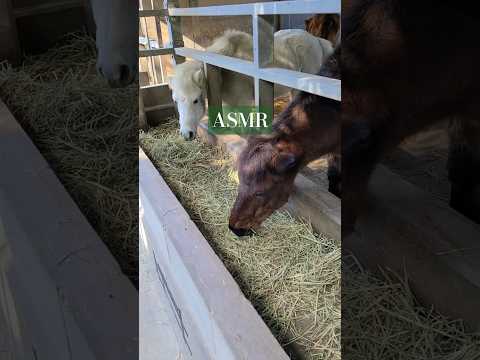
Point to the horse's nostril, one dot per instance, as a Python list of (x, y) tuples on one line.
[(190, 135), (100, 71), (240, 232)]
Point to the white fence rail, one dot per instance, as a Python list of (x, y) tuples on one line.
[(318, 85), (263, 8)]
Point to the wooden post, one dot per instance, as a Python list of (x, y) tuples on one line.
[(214, 85), (174, 25)]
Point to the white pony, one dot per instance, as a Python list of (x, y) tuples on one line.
[(293, 49), (117, 40)]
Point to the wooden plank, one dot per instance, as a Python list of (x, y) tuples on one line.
[(308, 200), (318, 85), (263, 8), (157, 103), (100, 300), (214, 86), (155, 52), (27, 293), (220, 322), (409, 231), (174, 27), (159, 107)]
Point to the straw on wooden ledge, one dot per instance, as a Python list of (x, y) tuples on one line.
[(292, 275), (88, 134)]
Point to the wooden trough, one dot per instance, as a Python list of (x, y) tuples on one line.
[(212, 318), (405, 230), (33, 26), (62, 294), (409, 231), (156, 103)]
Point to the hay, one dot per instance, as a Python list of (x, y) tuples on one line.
[(381, 319), (88, 134), (292, 276)]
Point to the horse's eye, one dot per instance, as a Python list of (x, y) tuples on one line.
[(195, 101), (259, 194)]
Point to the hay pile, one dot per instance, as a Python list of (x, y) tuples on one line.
[(88, 134), (381, 319), (292, 276)]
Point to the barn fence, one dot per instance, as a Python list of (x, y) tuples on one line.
[(263, 18)]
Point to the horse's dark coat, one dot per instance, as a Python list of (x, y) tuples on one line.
[(403, 68)]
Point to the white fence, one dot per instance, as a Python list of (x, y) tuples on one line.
[(264, 76)]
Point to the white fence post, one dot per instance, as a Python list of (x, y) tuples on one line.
[(263, 56)]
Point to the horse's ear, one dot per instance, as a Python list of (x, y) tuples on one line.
[(284, 162), (199, 78)]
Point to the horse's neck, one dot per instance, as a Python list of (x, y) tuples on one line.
[(300, 126)]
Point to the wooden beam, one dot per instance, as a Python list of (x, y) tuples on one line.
[(155, 52), (40, 221), (308, 201), (214, 85), (412, 233), (214, 319), (174, 26)]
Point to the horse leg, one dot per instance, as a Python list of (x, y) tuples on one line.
[(464, 167), (334, 174), (142, 116), (360, 153)]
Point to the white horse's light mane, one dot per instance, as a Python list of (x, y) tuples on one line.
[(188, 77)]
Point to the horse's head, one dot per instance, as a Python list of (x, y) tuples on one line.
[(325, 26), (117, 40), (267, 168), (188, 87)]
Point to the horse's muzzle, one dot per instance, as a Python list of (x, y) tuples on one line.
[(122, 76), (240, 232)]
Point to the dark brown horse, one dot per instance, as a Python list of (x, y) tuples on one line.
[(403, 70), (325, 26), (268, 165)]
